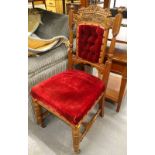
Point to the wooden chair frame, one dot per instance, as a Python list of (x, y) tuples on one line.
[(100, 17)]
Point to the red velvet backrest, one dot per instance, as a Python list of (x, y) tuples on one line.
[(89, 42)]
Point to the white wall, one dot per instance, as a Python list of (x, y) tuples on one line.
[(119, 3)]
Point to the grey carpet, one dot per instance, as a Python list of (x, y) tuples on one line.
[(108, 135)]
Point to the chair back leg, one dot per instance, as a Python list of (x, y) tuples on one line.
[(101, 106)]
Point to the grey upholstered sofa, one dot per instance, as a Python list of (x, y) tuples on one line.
[(51, 62)]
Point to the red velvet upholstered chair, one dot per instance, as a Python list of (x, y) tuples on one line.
[(71, 94)]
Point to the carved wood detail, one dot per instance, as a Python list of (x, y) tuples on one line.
[(93, 14)]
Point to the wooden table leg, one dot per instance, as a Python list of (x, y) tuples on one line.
[(32, 4), (122, 88), (45, 4)]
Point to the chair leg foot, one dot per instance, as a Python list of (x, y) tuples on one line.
[(101, 106), (122, 89), (38, 114), (76, 139), (43, 125), (118, 107)]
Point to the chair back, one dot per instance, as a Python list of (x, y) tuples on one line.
[(92, 28)]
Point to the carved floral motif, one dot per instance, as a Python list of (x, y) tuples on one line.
[(94, 14)]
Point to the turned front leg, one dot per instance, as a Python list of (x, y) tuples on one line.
[(38, 113), (76, 138)]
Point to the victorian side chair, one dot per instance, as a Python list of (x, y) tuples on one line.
[(71, 95)]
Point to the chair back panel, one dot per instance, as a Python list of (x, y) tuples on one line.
[(89, 42), (93, 24)]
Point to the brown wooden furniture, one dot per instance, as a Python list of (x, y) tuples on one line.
[(119, 66), (99, 19), (33, 1), (75, 5), (85, 3), (55, 6), (106, 4)]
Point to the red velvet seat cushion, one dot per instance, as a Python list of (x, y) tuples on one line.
[(71, 93), (89, 42)]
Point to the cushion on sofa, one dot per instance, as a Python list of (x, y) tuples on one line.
[(53, 25)]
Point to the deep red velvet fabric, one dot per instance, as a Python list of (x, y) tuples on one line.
[(71, 93), (89, 42)]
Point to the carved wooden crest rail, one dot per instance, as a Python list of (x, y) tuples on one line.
[(94, 14)]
